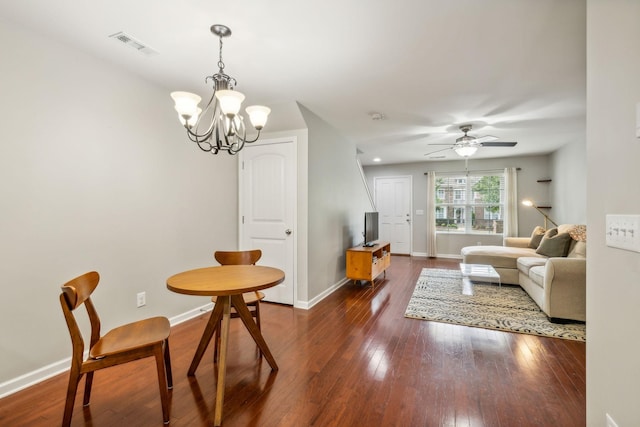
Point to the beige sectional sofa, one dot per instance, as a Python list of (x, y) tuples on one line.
[(556, 283)]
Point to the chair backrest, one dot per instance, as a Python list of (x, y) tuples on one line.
[(75, 293), (238, 257)]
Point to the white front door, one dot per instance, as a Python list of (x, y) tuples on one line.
[(393, 201), (267, 209)]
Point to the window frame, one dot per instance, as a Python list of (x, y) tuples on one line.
[(465, 211)]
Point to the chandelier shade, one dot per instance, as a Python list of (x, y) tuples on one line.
[(219, 126)]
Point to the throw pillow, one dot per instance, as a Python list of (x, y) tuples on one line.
[(579, 233), (536, 237), (554, 244)]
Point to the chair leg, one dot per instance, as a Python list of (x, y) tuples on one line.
[(87, 389), (167, 364), (74, 380), (162, 381)]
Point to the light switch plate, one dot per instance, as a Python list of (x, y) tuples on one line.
[(623, 232)]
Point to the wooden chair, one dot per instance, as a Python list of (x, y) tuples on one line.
[(144, 338), (252, 299)]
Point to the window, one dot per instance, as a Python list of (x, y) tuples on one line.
[(470, 204)]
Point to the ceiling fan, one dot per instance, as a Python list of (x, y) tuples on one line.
[(466, 146)]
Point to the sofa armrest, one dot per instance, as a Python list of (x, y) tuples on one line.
[(516, 242), (565, 287)]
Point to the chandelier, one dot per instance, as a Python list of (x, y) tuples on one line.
[(219, 127)]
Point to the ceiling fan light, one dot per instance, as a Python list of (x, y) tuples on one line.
[(466, 150), (230, 101)]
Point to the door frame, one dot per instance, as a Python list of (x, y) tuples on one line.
[(411, 215), (270, 141)]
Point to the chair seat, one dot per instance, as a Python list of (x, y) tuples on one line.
[(132, 336), (249, 298)]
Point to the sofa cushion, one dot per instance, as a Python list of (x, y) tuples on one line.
[(497, 256), (525, 263), (536, 274), (536, 237), (554, 244)]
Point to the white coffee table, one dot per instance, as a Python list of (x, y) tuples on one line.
[(480, 273)]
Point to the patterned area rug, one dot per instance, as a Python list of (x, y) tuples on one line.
[(438, 297)]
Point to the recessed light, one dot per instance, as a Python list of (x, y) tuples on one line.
[(377, 159)]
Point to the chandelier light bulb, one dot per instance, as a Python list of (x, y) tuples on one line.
[(230, 101), (258, 115), (186, 104)]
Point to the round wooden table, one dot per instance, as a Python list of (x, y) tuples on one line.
[(228, 283)]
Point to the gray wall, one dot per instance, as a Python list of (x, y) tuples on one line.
[(613, 285), (533, 168), (95, 173), (337, 202)]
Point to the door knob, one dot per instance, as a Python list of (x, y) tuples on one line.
[(287, 231)]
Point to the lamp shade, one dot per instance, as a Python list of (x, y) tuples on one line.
[(230, 101), (466, 150), (258, 115), (186, 104)]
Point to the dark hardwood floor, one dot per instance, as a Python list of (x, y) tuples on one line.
[(352, 360)]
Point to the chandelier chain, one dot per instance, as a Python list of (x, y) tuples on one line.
[(220, 63)]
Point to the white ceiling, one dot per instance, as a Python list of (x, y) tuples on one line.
[(515, 69)]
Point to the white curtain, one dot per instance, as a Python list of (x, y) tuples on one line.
[(511, 203), (432, 250)]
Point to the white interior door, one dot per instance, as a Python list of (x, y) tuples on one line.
[(267, 209), (393, 202)]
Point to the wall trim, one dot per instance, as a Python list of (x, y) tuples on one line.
[(454, 256), (306, 305), (41, 374)]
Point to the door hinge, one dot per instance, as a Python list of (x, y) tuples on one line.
[(243, 219)]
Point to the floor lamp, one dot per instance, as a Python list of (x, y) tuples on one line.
[(528, 202)]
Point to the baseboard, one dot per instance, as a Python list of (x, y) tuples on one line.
[(180, 318), (454, 256), (34, 377), (306, 305), (31, 378)]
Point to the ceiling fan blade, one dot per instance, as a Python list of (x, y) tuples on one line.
[(486, 138), (499, 144), (438, 151)]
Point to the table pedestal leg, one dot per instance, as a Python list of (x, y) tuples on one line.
[(211, 327), (247, 319), (222, 361)]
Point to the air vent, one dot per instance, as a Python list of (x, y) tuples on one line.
[(133, 43)]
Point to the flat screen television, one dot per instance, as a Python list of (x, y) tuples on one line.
[(370, 228)]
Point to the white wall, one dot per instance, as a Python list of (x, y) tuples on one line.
[(568, 188), (337, 202), (533, 168), (613, 275), (95, 173)]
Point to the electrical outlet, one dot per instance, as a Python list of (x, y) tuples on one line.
[(610, 422), (141, 299)]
